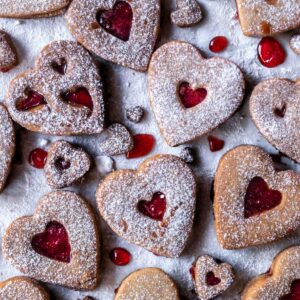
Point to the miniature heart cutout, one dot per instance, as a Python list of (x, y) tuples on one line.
[(60, 66), (211, 279), (295, 292), (33, 100), (79, 97), (191, 97)]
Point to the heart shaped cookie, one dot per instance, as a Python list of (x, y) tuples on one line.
[(190, 95), (254, 204), (8, 53), (148, 284), (268, 17), (123, 32), (65, 164), (59, 244), (62, 95), (152, 207), (211, 278), (275, 110), (282, 281), (22, 288), (295, 43)]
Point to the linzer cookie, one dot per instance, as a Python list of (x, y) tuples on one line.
[(275, 110), (8, 53), (123, 32), (59, 244), (148, 284), (62, 95), (268, 17), (295, 43), (152, 207), (190, 95), (254, 204), (282, 281)]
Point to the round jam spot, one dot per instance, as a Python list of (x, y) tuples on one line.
[(37, 158), (270, 52), (154, 209), (53, 242), (259, 198), (62, 164), (143, 145), (280, 112), (117, 21), (218, 44), (60, 67), (215, 144), (79, 97), (295, 291), (120, 256), (33, 100), (192, 272), (190, 97), (211, 279)]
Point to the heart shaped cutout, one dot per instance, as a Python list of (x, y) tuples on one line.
[(119, 195), (178, 62), (295, 291), (8, 52), (236, 227), (191, 97)]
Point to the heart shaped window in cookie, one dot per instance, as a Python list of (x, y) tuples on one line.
[(62, 164), (211, 279), (60, 66), (280, 111), (31, 100), (295, 291), (190, 97), (79, 97)]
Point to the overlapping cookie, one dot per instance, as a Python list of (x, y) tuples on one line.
[(62, 95), (8, 53)]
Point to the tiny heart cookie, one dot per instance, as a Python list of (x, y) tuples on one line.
[(124, 32), (8, 53), (253, 203), (268, 17), (22, 288), (295, 43), (148, 284), (62, 95), (190, 95), (275, 110), (152, 207), (211, 278), (59, 244), (281, 282), (65, 164)]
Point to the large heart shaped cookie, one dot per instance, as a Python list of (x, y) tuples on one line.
[(275, 110), (282, 281), (268, 17), (190, 95), (253, 203), (152, 207), (62, 95), (123, 32), (59, 244)]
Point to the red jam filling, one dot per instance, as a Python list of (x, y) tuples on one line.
[(120, 256), (280, 112), (143, 145), (211, 279), (62, 164), (295, 291), (190, 97), (215, 144), (218, 44), (192, 272), (81, 96), (37, 158), (154, 209), (33, 100), (60, 67)]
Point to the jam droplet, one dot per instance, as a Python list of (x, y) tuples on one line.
[(33, 100), (62, 164), (270, 52), (154, 209), (260, 198), (211, 279), (37, 158), (218, 44), (120, 256), (295, 291), (117, 21), (60, 67), (53, 242), (280, 112), (215, 144), (143, 145), (192, 271), (79, 97), (190, 97)]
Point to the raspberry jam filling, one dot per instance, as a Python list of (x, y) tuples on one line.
[(154, 209), (215, 144), (280, 112), (192, 272), (60, 67), (117, 21), (53, 242), (79, 97), (37, 158), (33, 100), (211, 279), (120, 256), (143, 145), (260, 198), (218, 44), (295, 291), (62, 164), (190, 97)]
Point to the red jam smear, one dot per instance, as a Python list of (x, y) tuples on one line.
[(53, 242), (33, 100), (154, 209), (81, 96), (143, 145), (37, 158), (211, 279), (295, 291), (190, 97), (62, 164), (120, 256), (259, 198), (117, 21), (192, 272), (60, 67), (270, 52), (218, 44), (280, 112), (215, 144)]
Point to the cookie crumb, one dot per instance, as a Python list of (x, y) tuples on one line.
[(187, 155), (135, 114), (105, 164)]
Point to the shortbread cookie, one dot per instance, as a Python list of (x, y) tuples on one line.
[(295, 43), (22, 288), (152, 207), (124, 32), (147, 284), (275, 110), (254, 204), (281, 282), (59, 244), (190, 95), (65, 164), (62, 95), (268, 17), (8, 53)]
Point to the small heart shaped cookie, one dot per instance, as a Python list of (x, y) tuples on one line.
[(65, 164), (295, 43), (253, 203), (211, 278), (59, 244), (190, 95), (62, 95), (22, 288), (123, 32), (152, 207), (148, 284), (282, 281), (8, 53), (275, 110)]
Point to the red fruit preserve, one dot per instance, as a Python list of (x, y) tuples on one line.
[(37, 158), (120, 256), (215, 144), (143, 145), (218, 44), (154, 209), (190, 97)]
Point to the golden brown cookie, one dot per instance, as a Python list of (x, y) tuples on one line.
[(8, 52)]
